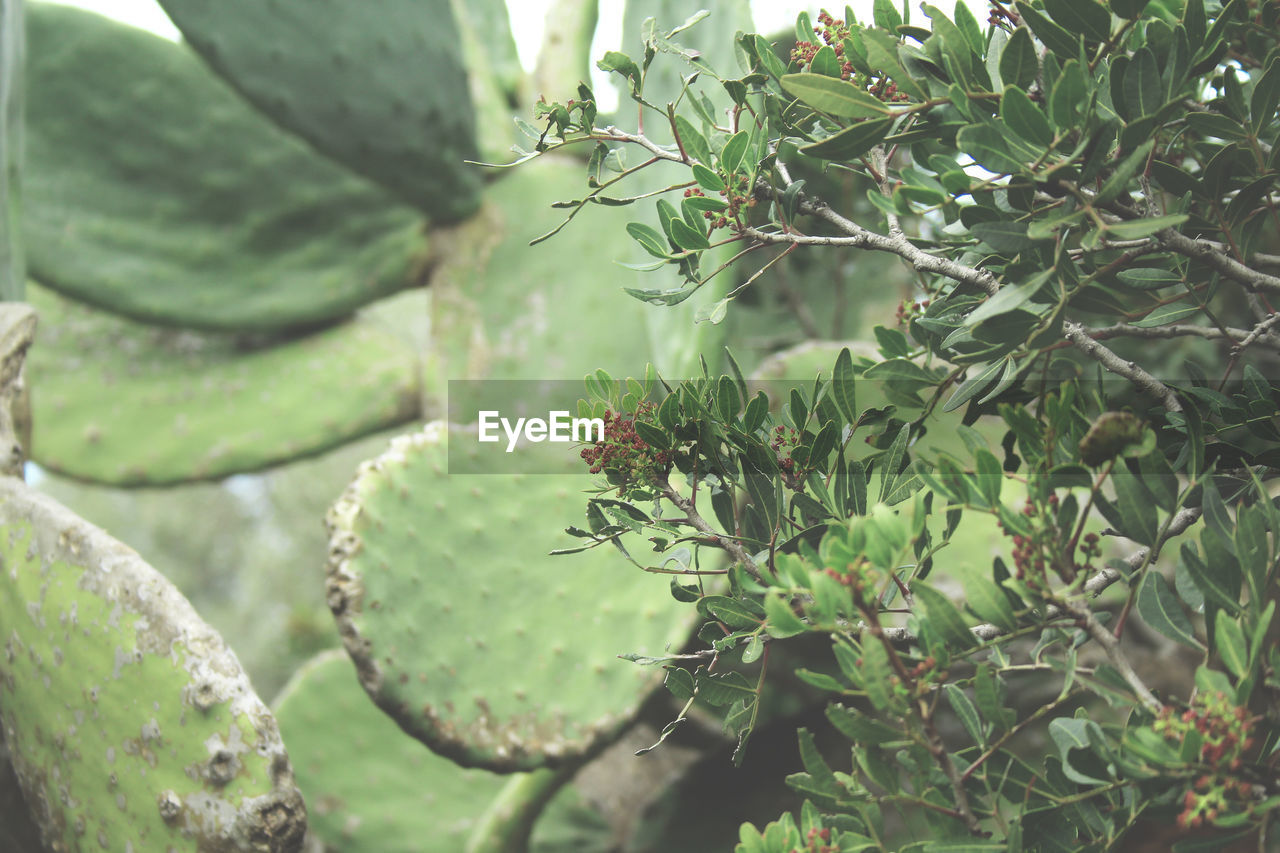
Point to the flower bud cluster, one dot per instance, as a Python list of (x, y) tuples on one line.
[(1225, 733), (817, 841), (625, 455)]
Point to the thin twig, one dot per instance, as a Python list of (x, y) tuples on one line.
[(729, 544), (1130, 370), (1216, 255)]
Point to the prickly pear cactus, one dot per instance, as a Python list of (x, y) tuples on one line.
[(466, 632), (502, 308), (130, 724), (371, 791), (127, 404), (378, 85), (154, 191)]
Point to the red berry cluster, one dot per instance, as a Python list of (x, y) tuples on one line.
[(861, 579), (784, 440), (909, 309), (625, 453), (1043, 549), (1225, 732), (817, 841), (833, 32)]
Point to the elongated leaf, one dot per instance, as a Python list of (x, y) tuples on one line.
[(967, 713), (1143, 88), (876, 672), (852, 142), (734, 151), (1137, 506), (1025, 118), (1018, 63), (987, 600), (944, 617), (1081, 16), (1230, 644), (1144, 227), (980, 377), (834, 96), (1054, 37), (1159, 607)]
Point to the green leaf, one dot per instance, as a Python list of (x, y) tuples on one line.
[(1128, 8), (735, 149), (886, 16), (1159, 607), (1216, 124), (706, 178), (990, 148), (859, 727), (1054, 37), (1143, 87), (695, 144), (1266, 95), (780, 621), (1081, 16), (987, 600), (944, 617), (687, 238), (1025, 118), (1165, 314), (1148, 278), (1018, 63), (967, 713), (1004, 236), (649, 239), (772, 64), (1008, 299), (1140, 228), (1069, 93), (852, 142), (1136, 505), (980, 376), (876, 672), (1219, 586), (834, 96), (1118, 182), (1230, 644)]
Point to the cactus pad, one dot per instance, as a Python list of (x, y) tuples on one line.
[(127, 404), (129, 722), (378, 85), (371, 790), (151, 190), (467, 632), (552, 311)]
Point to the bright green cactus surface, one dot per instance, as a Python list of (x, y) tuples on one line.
[(130, 723), (153, 190), (370, 790), (467, 632), (378, 85), (503, 308), (127, 404)]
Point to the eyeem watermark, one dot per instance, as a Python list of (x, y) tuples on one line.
[(558, 427)]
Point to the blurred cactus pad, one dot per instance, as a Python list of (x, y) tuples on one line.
[(467, 632), (153, 190), (129, 722), (371, 791), (125, 403)]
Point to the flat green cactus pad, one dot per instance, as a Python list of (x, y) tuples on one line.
[(128, 404), (152, 190), (503, 308), (378, 85), (372, 790), (130, 723), (467, 632)]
